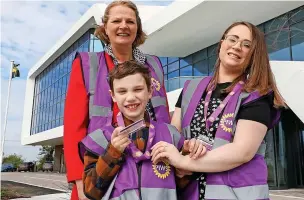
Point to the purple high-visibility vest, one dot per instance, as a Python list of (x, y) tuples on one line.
[(95, 73), (248, 181), (138, 177)]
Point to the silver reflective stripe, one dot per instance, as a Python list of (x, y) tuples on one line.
[(242, 193), (98, 137), (128, 194), (110, 189), (99, 111), (174, 134), (242, 96), (93, 74), (158, 101), (156, 68), (158, 193), (188, 94), (186, 132), (219, 142)]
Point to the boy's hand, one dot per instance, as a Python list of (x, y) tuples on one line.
[(79, 185), (195, 147), (120, 141)]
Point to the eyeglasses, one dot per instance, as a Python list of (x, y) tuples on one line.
[(233, 40)]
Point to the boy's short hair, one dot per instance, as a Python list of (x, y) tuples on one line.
[(129, 68)]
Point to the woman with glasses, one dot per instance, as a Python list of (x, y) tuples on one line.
[(230, 113), (88, 101)]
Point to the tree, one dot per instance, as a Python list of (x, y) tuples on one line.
[(15, 159), (45, 154)]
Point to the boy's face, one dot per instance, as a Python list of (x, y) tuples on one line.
[(132, 95)]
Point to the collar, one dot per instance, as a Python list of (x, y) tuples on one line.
[(138, 55)]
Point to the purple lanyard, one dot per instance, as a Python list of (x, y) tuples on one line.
[(219, 109)]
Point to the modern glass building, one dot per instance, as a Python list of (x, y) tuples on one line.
[(48, 80), (51, 85)]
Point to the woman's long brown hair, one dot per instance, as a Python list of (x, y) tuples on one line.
[(257, 67)]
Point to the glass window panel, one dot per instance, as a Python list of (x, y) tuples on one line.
[(165, 70), (186, 71), (211, 64), (98, 46), (61, 108), (91, 45), (54, 112), (276, 23), (55, 90), (297, 41), (70, 50), (59, 87), (65, 65), (65, 84), (297, 15), (182, 81), (185, 61), (200, 55), (57, 110), (54, 124), (173, 74), (75, 45), (172, 59), (163, 60), (57, 122), (173, 66), (61, 70), (173, 84), (278, 45), (33, 121), (70, 62), (86, 46), (200, 68), (261, 27), (212, 50)]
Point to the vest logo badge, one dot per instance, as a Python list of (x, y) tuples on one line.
[(155, 84), (226, 122), (161, 169)]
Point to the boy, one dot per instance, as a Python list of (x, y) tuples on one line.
[(118, 165)]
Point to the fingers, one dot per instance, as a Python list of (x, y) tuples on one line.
[(118, 141), (198, 151), (186, 145), (161, 143), (116, 132), (157, 151), (204, 151), (194, 144), (159, 156)]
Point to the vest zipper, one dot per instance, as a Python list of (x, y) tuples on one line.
[(139, 179)]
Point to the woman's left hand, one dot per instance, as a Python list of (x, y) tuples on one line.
[(165, 151)]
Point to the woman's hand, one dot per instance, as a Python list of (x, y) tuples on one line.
[(195, 148), (165, 151)]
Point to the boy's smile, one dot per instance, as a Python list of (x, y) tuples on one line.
[(132, 95)]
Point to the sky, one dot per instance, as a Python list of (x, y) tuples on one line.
[(26, 35)]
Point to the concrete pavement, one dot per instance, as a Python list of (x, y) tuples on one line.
[(58, 182)]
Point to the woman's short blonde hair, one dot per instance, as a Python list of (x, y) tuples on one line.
[(100, 30)]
